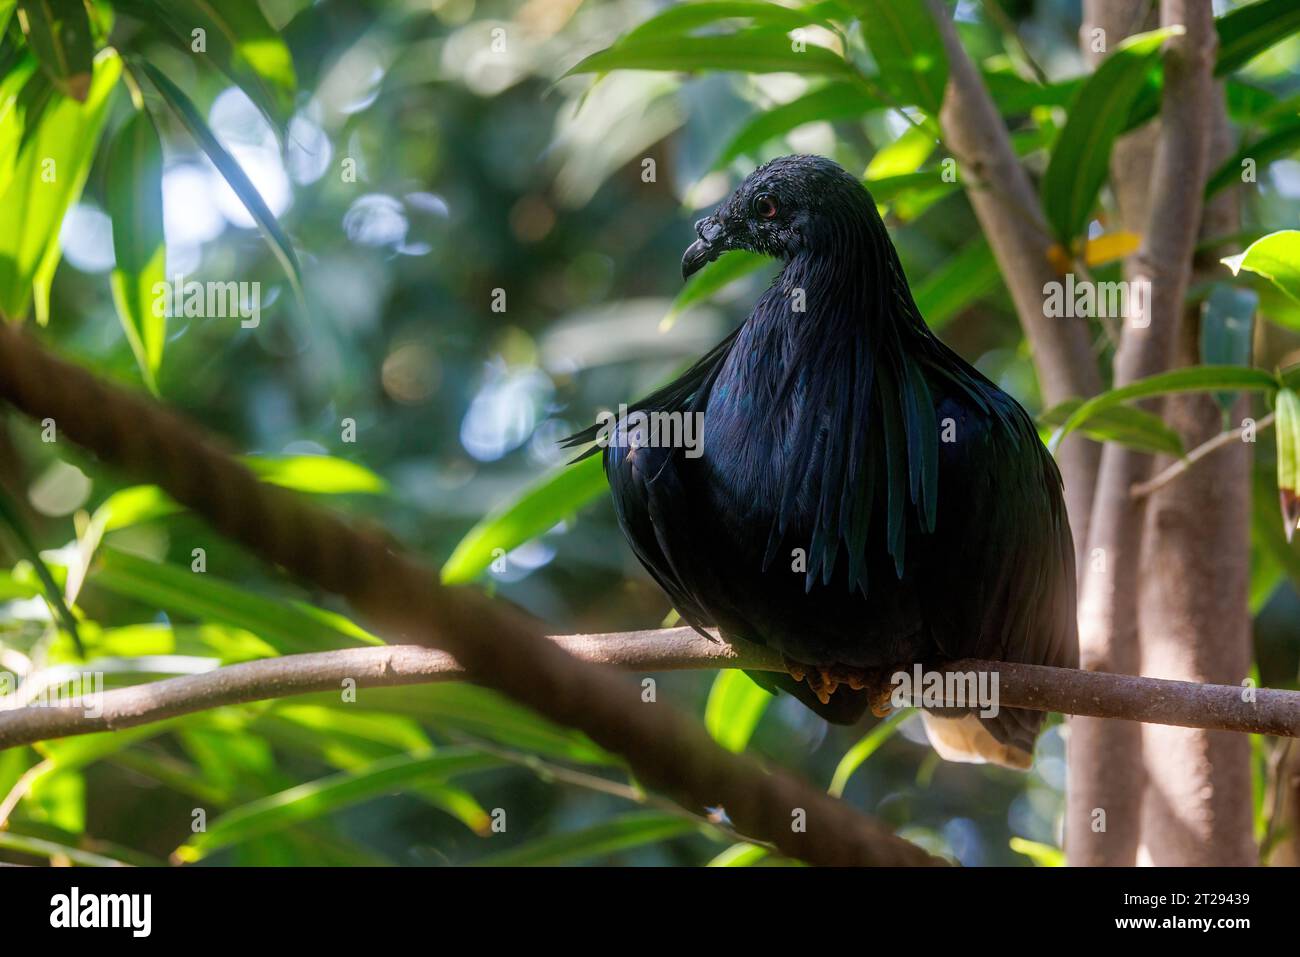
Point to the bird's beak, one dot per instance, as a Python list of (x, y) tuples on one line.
[(705, 249)]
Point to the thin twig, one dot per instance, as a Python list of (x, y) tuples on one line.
[(1167, 475)]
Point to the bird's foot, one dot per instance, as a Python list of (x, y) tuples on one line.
[(824, 680)]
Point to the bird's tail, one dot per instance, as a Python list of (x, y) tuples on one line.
[(1006, 739)]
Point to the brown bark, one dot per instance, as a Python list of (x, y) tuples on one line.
[(1008, 210), (1106, 772), (1195, 621)]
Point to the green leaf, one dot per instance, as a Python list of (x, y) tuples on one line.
[(1043, 855), (834, 101), (39, 847), (712, 279), (288, 626), (135, 169), (313, 474), (1097, 114), (1249, 30), (857, 755), (316, 474), (1288, 459), (49, 171), (907, 46), (234, 175), (1193, 379), (748, 51), (681, 19), (1227, 330), (1278, 142), (553, 499), (10, 518), (907, 154), (21, 102), (964, 278), (739, 855), (622, 833), (1276, 257), (58, 32), (1129, 426), (315, 799), (734, 708)]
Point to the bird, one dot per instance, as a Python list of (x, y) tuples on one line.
[(861, 499)]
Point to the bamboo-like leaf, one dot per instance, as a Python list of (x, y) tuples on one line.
[(1287, 426), (964, 278), (1193, 379), (10, 518), (907, 46), (1097, 115), (681, 19), (315, 799), (1276, 257), (907, 154), (750, 51), (622, 833), (40, 847), (857, 755), (1280, 141), (833, 101), (288, 626), (734, 708), (50, 168), (58, 32), (712, 279), (1043, 855), (1124, 424), (231, 170), (135, 205), (1250, 29), (553, 499), (739, 855)]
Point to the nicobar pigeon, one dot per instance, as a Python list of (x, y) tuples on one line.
[(838, 427)]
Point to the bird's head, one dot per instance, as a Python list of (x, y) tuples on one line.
[(784, 207)]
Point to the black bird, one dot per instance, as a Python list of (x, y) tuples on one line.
[(863, 498)]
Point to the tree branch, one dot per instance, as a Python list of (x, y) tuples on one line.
[(1152, 700), (1003, 196)]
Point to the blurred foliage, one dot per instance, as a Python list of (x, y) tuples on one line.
[(463, 220)]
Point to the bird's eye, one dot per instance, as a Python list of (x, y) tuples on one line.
[(765, 206)]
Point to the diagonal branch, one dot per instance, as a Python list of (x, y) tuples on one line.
[(1152, 700), (498, 647)]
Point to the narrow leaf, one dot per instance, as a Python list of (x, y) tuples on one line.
[(58, 32), (712, 279), (1078, 166), (734, 708), (857, 755), (834, 101), (750, 51), (135, 170), (907, 46), (599, 840), (232, 172)]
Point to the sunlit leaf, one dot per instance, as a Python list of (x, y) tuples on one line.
[(48, 174), (1250, 29), (317, 474), (739, 855), (734, 708), (1276, 257), (906, 154), (1043, 855), (857, 755), (135, 169), (623, 833), (556, 497), (1080, 160), (681, 19)]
